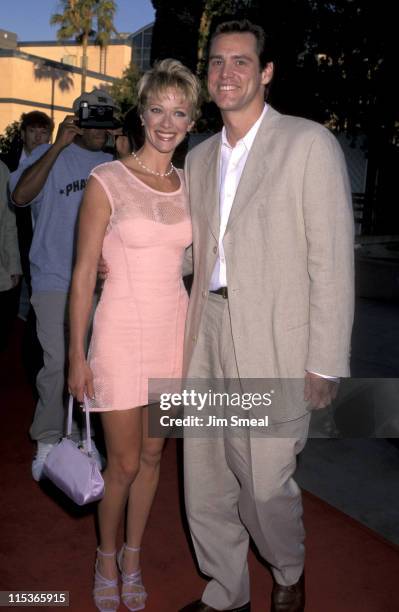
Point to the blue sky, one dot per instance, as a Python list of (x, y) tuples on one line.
[(29, 19)]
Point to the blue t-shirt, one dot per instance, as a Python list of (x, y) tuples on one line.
[(55, 210)]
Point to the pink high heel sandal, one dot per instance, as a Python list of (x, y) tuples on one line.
[(100, 584), (134, 598)]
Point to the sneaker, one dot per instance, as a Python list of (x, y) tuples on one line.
[(43, 450), (99, 459)]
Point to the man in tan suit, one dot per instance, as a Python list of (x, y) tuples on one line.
[(272, 298)]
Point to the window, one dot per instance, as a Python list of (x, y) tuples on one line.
[(141, 44)]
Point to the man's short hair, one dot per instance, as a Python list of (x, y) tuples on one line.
[(36, 119), (243, 26)]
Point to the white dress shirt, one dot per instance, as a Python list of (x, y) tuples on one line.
[(232, 164)]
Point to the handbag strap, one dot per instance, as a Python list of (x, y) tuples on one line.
[(69, 421)]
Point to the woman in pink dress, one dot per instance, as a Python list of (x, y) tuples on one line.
[(134, 212)]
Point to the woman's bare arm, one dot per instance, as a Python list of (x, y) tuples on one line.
[(93, 220)]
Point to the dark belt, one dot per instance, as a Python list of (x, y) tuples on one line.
[(221, 291)]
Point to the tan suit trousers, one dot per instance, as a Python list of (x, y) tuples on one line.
[(237, 487)]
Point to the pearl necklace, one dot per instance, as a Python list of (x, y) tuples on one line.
[(160, 174)]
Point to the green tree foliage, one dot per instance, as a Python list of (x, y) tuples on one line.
[(181, 31), (182, 27), (336, 63), (85, 20), (9, 135), (176, 30), (124, 90), (216, 10)]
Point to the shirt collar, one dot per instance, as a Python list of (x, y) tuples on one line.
[(249, 137)]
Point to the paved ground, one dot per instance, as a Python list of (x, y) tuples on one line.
[(357, 473)]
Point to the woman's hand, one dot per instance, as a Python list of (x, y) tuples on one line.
[(80, 378)]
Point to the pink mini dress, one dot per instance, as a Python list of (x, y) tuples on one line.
[(138, 326)]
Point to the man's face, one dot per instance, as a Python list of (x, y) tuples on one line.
[(34, 135), (235, 81), (93, 139)]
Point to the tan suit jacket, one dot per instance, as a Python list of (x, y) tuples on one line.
[(288, 247)]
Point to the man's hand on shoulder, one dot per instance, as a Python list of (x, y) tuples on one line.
[(319, 391), (102, 269)]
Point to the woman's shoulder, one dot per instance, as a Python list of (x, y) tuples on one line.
[(109, 167)]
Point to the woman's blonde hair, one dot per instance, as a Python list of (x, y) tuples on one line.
[(169, 74)]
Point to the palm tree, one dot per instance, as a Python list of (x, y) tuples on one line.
[(85, 19), (45, 69)]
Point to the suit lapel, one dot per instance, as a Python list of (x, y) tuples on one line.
[(210, 179), (257, 167)]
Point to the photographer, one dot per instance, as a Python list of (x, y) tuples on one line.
[(52, 181)]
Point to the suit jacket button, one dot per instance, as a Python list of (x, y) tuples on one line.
[(204, 294), (194, 338), (215, 249)]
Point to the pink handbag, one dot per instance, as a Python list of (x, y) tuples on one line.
[(73, 470)]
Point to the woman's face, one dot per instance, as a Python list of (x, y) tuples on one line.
[(167, 119)]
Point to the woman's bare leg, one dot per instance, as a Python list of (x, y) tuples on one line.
[(141, 494), (123, 439)]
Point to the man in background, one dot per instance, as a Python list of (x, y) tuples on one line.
[(36, 129)]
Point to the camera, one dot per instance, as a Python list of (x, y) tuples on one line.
[(94, 116)]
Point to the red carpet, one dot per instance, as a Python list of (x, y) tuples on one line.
[(47, 544)]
